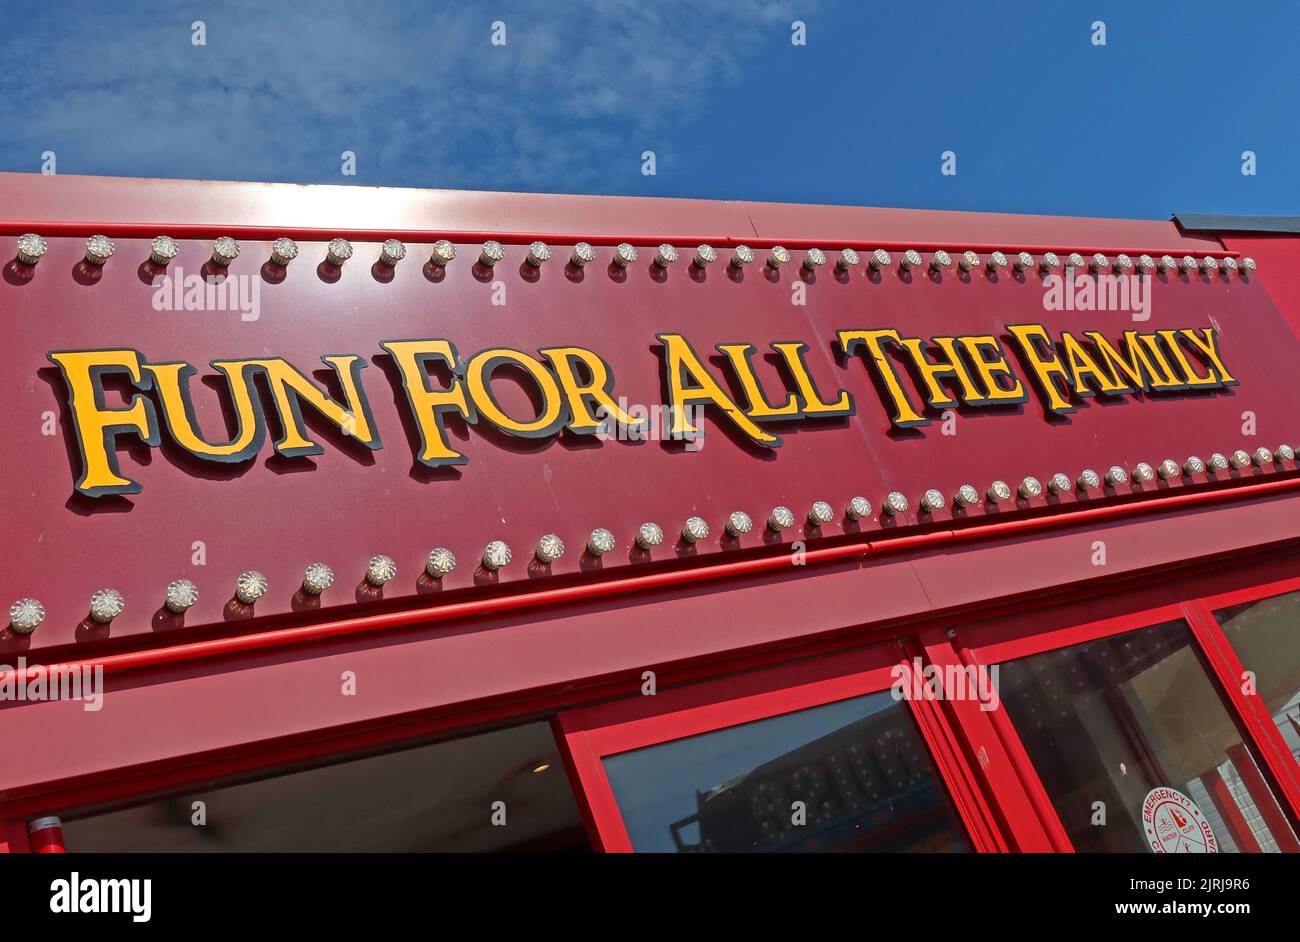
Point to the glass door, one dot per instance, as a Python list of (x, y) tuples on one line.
[(1124, 736)]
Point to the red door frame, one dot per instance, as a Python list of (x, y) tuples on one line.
[(587, 735), (1254, 711), (976, 751), (1025, 635)]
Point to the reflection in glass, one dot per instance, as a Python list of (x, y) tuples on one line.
[(1108, 722), (858, 769), (438, 797), (1266, 636)]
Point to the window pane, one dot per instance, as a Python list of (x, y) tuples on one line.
[(1131, 728), (432, 798), (1266, 637), (859, 767)]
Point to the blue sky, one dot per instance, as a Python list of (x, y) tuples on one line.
[(1041, 120)]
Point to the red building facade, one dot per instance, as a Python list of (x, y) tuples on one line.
[(468, 521)]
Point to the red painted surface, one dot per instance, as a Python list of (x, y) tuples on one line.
[(277, 515), (856, 550), (484, 670), (1279, 255), (216, 697), (66, 198), (945, 747), (146, 230)]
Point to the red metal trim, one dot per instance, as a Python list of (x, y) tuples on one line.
[(269, 757), (1265, 578), (637, 722), (578, 768), (14, 838), (1200, 610), (973, 813), (600, 811), (343, 743), (1251, 710), (1033, 785), (137, 230), (953, 764), (275, 638), (1261, 792), (988, 763), (407, 731), (1252, 593), (1228, 810), (1010, 642)]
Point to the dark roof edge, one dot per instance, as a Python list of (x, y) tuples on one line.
[(1208, 222)]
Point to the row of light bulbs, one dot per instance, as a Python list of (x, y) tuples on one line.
[(106, 604), (99, 249)]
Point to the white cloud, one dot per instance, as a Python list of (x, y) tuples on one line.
[(416, 90)]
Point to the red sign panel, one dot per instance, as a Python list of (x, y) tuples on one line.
[(316, 413)]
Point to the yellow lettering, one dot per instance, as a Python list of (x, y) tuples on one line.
[(172, 383), (1137, 367), (1084, 369), (1190, 377), (990, 369), (289, 388), (581, 395), (1047, 368), (905, 414), (95, 427), (689, 382), (478, 378), (950, 365), (810, 400), (757, 406), (428, 406), (1164, 376), (1208, 344)]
